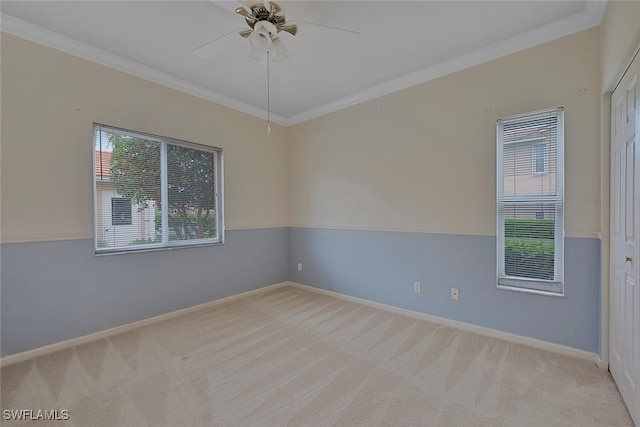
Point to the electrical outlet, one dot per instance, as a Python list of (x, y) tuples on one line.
[(416, 287), (299, 266), (455, 294)]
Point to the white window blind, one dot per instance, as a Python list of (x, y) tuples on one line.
[(530, 228), (152, 192)]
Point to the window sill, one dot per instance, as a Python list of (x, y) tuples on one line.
[(541, 287), (150, 248), (515, 288)]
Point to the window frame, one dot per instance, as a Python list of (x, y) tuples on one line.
[(538, 286), (165, 243)]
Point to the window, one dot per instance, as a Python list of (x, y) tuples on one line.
[(120, 211), (530, 228), (539, 158), (152, 192)]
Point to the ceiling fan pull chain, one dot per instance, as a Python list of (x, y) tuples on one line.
[(268, 97)]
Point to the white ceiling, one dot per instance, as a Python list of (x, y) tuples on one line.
[(401, 43)]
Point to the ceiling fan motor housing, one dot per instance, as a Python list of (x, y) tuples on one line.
[(266, 29), (259, 16)]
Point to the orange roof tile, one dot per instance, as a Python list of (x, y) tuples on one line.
[(103, 161)]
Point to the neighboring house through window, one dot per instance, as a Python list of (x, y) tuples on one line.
[(539, 158), (530, 203), (152, 192), (120, 211)]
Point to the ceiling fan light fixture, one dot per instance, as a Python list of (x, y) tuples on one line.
[(257, 56), (278, 51), (260, 40)]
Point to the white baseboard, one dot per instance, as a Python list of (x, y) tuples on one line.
[(602, 364), (481, 330), (61, 345), (494, 333)]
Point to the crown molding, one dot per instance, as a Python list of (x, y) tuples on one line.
[(36, 34), (589, 17), (596, 9)]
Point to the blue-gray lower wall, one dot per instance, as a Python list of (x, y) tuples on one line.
[(53, 291), (382, 266)]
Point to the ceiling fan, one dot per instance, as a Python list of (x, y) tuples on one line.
[(265, 21)]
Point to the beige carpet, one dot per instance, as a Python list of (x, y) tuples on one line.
[(293, 357)]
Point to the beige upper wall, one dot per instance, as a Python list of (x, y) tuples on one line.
[(423, 159), (49, 102), (620, 34)]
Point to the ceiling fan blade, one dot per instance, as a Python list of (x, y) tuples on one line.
[(218, 45), (291, 29), (327, 27), (273, 9), (245, 33), (244, 12)]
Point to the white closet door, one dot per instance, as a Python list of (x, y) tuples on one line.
[(625, 256)]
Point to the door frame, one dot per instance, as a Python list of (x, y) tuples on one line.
[(603, 358)]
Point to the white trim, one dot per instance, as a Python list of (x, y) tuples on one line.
[(562, 206), (481, 330), (631, 51), (468, 327), (602, 363), (61, 345), (605, 193), (571, 234), (254, 227), (392, 230), (164, 195), (581, 234), (504, 284), (67, 237), (605, 203), (62, 237), (596, 10), (163, 143), (589, 17), (504, 281), (220, 197), (26, 30)]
